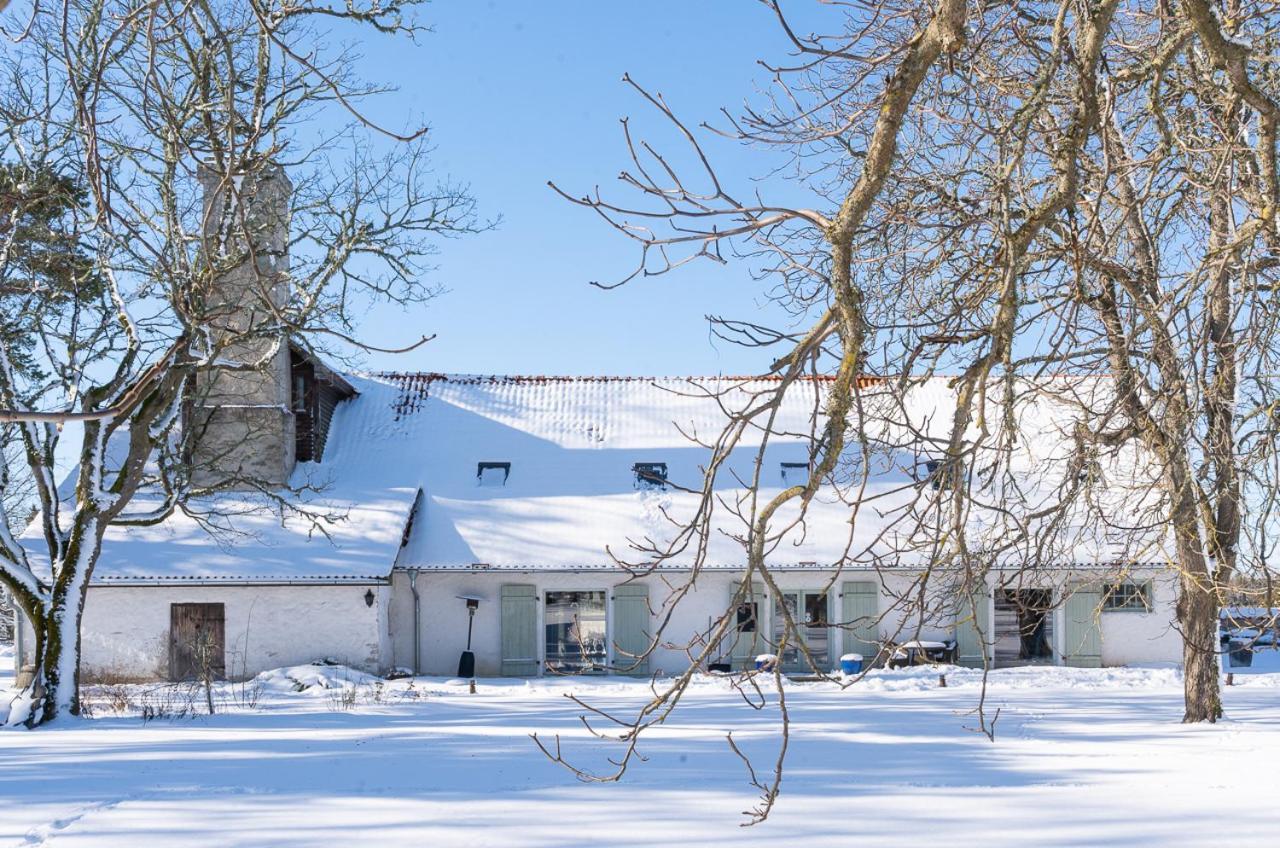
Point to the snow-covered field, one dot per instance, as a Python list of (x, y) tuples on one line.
[(1081, 758)]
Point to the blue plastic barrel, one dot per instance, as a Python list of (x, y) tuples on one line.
[(766, 662), (851, 664)]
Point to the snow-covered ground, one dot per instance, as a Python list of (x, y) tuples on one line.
[(1081, 757)]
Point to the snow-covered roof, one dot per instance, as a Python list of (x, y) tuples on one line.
[(341, 520), (571, 497), (404, 455)]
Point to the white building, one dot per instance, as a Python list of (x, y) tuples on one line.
[(522, 491)]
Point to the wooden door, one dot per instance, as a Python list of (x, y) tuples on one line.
[(197, 641), (859, 616), (973, 629), (747, 638), (1082, 641)]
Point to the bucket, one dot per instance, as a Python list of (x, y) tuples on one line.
[(766, 662), (851, 664)]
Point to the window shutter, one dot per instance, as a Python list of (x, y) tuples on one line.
[(1082, 643), (519, 630), (859, 609), (745, 646), (973, 629), (631, 636)]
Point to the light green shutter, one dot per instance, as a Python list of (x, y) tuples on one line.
[(631, 636), (859, 609), (973, 629), (1082, 643), (519, 630), (745, 646)]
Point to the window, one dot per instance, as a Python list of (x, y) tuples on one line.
[(747, 617), (574, 630), (1128, 596), (650, 475), (815, 610), (299, 392), (939, 474), (795, 473), (492, 474)]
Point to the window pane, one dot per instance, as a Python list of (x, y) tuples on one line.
[(1128, 596), (815, 609), (574, 624), (747, 617)]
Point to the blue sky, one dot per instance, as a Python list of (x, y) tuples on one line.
[(518, 93)]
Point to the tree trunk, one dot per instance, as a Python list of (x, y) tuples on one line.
[(60, 665), (1198, 616), (54, 689)]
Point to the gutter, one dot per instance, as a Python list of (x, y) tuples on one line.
[(417, 623), (220, 581)]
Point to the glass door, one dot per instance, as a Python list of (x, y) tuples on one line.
[(809, 612), (575, 632)]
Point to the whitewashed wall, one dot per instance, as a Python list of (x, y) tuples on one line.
[(126, 628), (1131, 637), (1127, 637)]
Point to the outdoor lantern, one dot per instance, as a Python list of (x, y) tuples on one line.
[(369, 598), (467, 662)]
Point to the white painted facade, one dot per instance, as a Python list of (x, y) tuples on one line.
[(126, 628), (1127, 637)]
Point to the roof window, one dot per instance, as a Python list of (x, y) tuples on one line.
[(941, 474), (650, 475), (492, 474), (795, 473)]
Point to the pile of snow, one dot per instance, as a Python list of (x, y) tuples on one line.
[(317, 677)]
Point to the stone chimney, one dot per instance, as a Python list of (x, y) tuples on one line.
[(240, 413)]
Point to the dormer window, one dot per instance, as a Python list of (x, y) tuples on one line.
[(931, 468), (492, 474), (795, 473), (942, 475), (650, 475)]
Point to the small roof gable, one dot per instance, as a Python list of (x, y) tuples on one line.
[(324, 373)]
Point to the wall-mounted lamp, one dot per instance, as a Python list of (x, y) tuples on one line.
[(369, 598)]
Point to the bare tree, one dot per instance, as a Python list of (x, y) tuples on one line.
[(203, 144), (1067, 207)]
